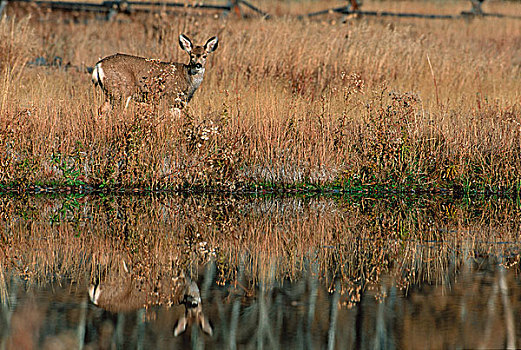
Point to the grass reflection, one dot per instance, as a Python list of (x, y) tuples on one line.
[(354, 240)]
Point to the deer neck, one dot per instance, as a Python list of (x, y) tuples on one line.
[(194, 78)]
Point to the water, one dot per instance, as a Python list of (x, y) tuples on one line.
[(153, 272)]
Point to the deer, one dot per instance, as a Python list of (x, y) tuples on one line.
[(193, 312), (124, 291), (125, 77)]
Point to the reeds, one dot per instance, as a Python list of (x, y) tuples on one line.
[(286, 103)]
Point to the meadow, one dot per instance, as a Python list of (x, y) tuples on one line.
[(369, 104)]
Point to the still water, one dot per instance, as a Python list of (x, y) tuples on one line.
[(162, 271)]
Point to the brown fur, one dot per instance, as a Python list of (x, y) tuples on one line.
[(122, 291), (123, 77)]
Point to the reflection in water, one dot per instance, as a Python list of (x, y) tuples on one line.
[(123, 291), (135, 272)]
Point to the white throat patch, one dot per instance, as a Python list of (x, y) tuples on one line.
[(197, 79)]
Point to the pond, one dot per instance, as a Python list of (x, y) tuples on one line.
[(163, 271)]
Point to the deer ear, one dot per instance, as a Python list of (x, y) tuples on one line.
[(211, 44), (94, 292), (180, 326), (185, 43), (205, 325)]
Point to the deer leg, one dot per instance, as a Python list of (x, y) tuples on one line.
[(175, 112), (105, 108), (127, 102)]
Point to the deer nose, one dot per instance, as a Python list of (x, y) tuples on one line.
[(192, 301), (198, 66)]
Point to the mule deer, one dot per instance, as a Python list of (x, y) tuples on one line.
[(125, 77), (193, 312), (123, 291)]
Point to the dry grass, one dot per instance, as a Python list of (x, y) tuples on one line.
[(397, 104)]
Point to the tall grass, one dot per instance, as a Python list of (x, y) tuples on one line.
[(369, 104)]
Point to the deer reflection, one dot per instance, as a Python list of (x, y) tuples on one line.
[(121, 290), (193, 311)]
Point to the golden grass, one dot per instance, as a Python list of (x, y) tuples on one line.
[(392, 103)]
